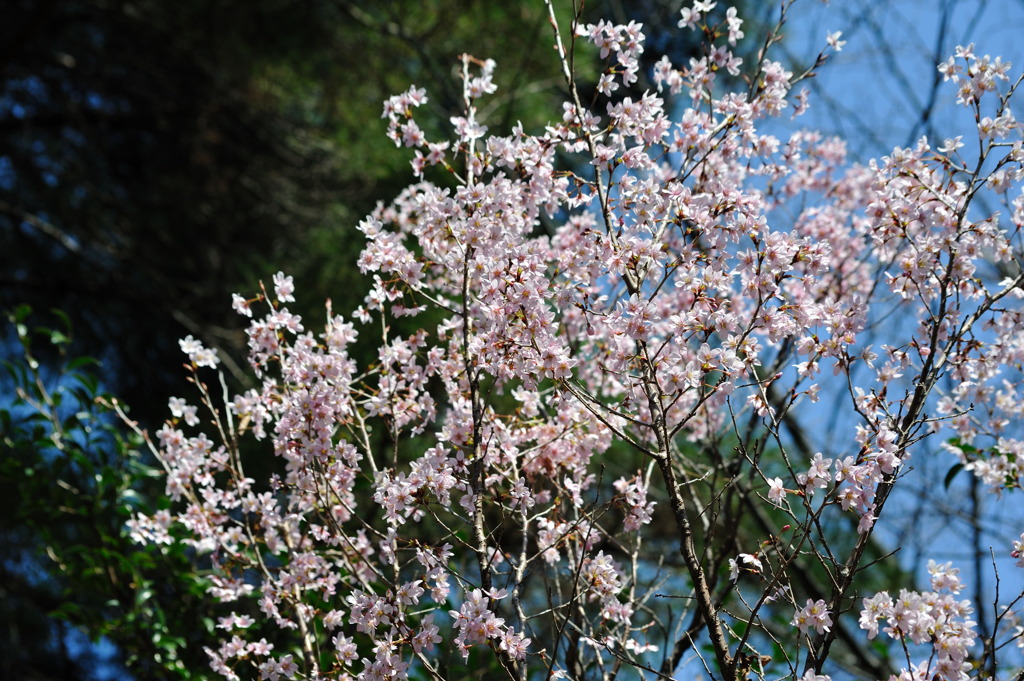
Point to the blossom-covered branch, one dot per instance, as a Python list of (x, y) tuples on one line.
[(566, 458)]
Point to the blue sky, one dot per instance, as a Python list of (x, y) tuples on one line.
[(873, 91)]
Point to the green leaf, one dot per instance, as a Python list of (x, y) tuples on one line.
[(20, 313), (57, 337), (80, 362), (142, 595), (62, 315), (952, 474)]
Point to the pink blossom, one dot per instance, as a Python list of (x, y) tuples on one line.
[(814, 615), (613, 324), (776, 492)]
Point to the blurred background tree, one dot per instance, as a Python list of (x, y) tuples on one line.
[(158, 156), (71, 477)]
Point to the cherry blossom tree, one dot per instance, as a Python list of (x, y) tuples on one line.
[(591, 455)]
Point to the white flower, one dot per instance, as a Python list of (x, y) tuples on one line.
[(834, 42), (776, 492)]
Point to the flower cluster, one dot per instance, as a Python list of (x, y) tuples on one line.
[(935, 617), (814, 615), (476, 624), (547, 327), (634, 498)]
